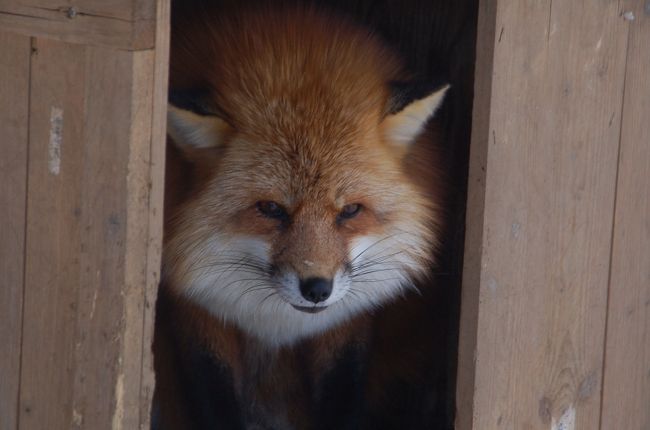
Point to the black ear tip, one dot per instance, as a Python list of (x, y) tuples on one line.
[(194, 100), (403, 93)]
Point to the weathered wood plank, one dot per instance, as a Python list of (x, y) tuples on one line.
[(90, 236), (53, 234), (114, 220), (14, 98), (156, 201), (126, 24), (626, 395), (474, 220), (552, 145)]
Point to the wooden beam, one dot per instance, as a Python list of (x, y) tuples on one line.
[(14, 122), (156, 183), (125, 24), (626, 395), (549, 150), (475, 210)]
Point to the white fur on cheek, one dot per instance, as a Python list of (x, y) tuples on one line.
[(221, 264), (221, 275), (382, 267)]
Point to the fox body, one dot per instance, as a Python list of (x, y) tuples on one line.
[(311, 197)]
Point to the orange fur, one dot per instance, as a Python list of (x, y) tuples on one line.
[(306, 95), (303, 106)]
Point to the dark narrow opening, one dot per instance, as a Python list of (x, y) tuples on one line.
[(436, 39)]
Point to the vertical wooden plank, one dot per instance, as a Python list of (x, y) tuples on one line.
[(551, 145), (626, 394), (156, 200), (108, 328), (53, 234), (474, 219), (14, 98)]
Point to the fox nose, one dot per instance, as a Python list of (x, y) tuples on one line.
[(316, 290)]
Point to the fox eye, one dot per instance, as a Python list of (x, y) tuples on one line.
[(350, 211), (271, 209)]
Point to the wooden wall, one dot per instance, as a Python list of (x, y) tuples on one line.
[(82, 121), (555, 325)]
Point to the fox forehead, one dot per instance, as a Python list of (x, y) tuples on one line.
[(288, 172)]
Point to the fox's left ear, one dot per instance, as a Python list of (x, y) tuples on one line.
[(193, 123), (409, 108)]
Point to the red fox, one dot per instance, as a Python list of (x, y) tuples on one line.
[(310, 196)]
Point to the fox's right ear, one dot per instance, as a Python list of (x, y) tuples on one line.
[(191, 124), (411, 105)]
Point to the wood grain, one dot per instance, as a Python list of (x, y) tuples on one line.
[(14, 98), (548, 193), (93, 235), (626, 395), (474, 219), (80, 251), (53, 234), (114, 221), (126, 24), (156, 182)]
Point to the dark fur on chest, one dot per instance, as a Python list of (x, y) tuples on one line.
[(211, 376), (385, 371)]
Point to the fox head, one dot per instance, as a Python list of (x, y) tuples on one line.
[(314, 196)]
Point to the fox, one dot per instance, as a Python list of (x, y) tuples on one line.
[(305, 196)]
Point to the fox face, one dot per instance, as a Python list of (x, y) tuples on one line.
[(306, 211)]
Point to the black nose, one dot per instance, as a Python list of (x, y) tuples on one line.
[(316, 290)]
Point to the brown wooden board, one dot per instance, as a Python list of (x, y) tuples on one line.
[(93, 233), (53, 233), (155, 207), (474, 218), (549, 150), (626, 393), (115, 222), (14, 98), (127, 24)]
